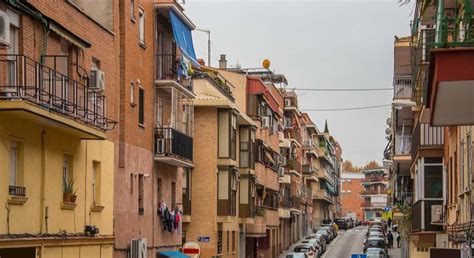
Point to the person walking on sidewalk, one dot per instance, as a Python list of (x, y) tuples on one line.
[(390, 239), (398, 241)]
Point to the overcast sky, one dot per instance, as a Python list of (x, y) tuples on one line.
[(316, 44)]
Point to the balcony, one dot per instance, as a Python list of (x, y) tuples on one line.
[(293, 166), (321, 194), (167, 69), (296, 202), (173, 147), (374, 179), (426, 137), (373, 205), (422, 216), (26, 85), (404, 199), (259, 227), (402, 87), (373, 192), (309, 172), (285, 179), (17, 191), (402, 145), (420, 60), (309, 144)]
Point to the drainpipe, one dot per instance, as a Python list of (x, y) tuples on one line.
[(439, 22), (43, 177)]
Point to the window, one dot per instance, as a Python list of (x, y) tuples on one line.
[(141, 26), (228, 241), (187, 183), (233, 241), (141, 106), (131, 184), (132, 93), (223, 187), (233, 137), (96, 170), (141, 192), (219, 242), (433, 179), (132, 10), (13, 162), (67, 170), (173, 195)]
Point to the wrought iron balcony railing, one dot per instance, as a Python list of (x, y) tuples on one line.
[(17, 191), (170, 142), (402, 87), (402, 144), (425, 135), (25, 79)]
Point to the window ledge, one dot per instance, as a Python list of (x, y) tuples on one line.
[(141, 126), (142, 45), (68, 205), (133, 104), (132, 18), (97, 208), (17, 200), (468, 192)]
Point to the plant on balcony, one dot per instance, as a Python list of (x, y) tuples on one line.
[(69, 193), (405, 223), (260, 211)]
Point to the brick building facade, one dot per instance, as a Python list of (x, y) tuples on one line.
[(351, 199)]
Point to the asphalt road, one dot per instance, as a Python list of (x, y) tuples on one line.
[(346, 243)]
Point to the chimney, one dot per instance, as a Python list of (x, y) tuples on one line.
[(222, 62)]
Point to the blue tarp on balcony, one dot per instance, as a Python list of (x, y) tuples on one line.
[(183, 37), (330, 188), (174, 254)]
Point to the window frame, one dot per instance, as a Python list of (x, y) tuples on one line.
[(132, 11), (141, 106), (132, 94), (141, 27)]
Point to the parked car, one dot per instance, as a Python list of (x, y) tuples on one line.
[(376, 234), (376, 253), (333, 228), (296, 255), (315, 243), (322, 241), (341, 223), (375, 242), (325, 233), (307, 249), (331, 231), (374, 230)]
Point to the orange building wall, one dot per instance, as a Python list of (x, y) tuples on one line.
[(352, 201)]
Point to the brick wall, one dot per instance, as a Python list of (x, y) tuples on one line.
[(352, 201)]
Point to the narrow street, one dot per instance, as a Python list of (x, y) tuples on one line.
[(347, 243)]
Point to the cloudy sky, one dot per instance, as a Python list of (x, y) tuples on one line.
[(316, 44)]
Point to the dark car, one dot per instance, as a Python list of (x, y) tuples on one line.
[(375, 242), (341, 223), (376, 253)]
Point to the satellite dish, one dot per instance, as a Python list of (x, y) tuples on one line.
[(388, 131), (266, 63), (387, 137), (389, 121)]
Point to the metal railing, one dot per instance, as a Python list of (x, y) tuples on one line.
[(17, 191), (402, 87), (168, 67), (296, 202), (425, 135), (170, 142), (23, 78), (369, 192), (369, 204), (404, 198), (293, 164), (374, 179)]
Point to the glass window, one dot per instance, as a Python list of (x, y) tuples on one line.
[(132, 93), (132, 9), (141, 193), (141, 106), (433, 182), (67, 170), (96, 182), (141, 26)]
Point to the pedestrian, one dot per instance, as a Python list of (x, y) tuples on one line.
[(389, 221), (390, 239), (398, 241)]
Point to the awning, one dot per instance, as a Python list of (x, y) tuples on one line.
[(330, 187), (183, 37), (65, 34), (174, 254)]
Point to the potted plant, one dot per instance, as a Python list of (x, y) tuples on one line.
[(69, 194)]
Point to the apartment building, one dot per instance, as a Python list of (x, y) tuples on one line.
[(154, 159), (58, 112), (449, 90), (351, 198), (325, 190), (374, 193)]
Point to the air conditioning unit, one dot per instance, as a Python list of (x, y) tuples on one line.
[(283, 161), (287, 102), (265, 121), (4, 29), (160, 146), (138, 248), (436, 214), (97, 80)]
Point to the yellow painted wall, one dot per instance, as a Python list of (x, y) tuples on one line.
[(99, 251), (28, 218)]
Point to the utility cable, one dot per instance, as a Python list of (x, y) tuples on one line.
[(347, 109), (336, 89)]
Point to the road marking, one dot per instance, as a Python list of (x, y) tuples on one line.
[(330, 246)]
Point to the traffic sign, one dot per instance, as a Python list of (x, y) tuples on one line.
[(358, 255), (204, 239), (192, 249)]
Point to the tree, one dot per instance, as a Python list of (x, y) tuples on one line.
[(347, 166), (372, 165)]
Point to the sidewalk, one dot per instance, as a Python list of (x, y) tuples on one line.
[(395, 252)]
